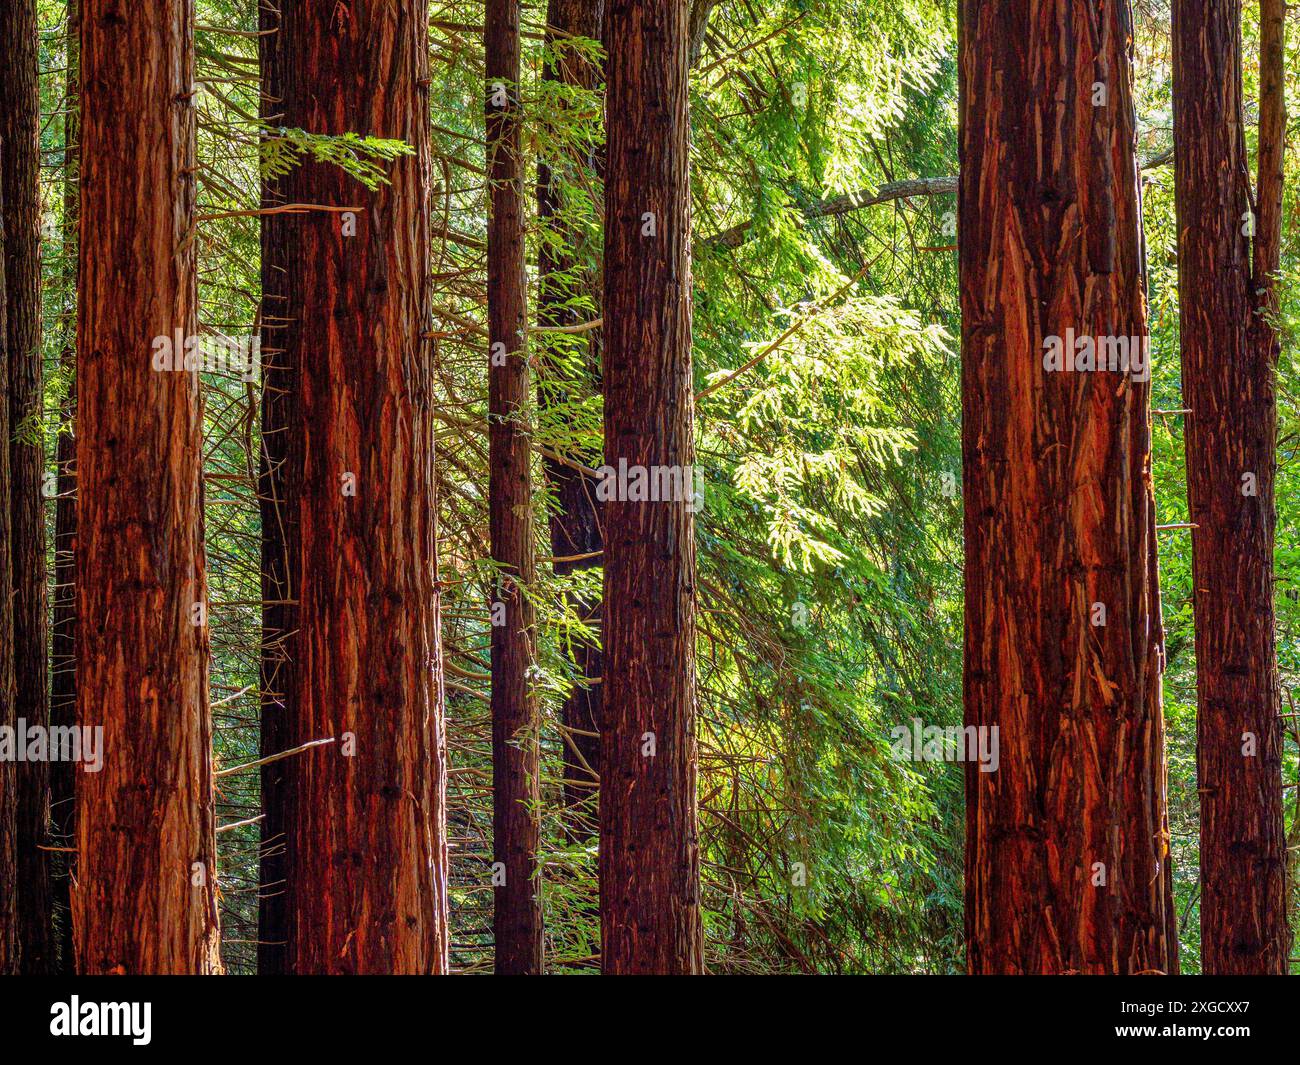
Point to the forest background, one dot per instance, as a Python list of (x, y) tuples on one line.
[(830, 553)]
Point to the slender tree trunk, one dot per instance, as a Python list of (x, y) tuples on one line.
[(1067, 850), (145, 894), (1272, 168), (20, 120), (700, 10), (365, 858), (516, 795), (63, 632), (1229, 354), (279, 387), (577, 539), (9, 957), (649, 854)]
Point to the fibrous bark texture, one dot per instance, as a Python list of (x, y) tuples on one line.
[(649, 853), (516, 794), (365, 862), (8, 711), (1229, 351), (145, 894), (19, 125), (1067, 848)]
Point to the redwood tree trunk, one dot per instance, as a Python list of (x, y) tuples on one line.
[(1228, 357), (279, 388), (1066, 842), (19, 124), (517, 916), (649, 853), (365, 858), (8, 711), (577, 539), (145, 896)]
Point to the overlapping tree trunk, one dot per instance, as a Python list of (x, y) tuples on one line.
[(145, 894), (1067, 848), (279, 597), (577, 539), (516, 791), (19, 122), (649, 852), (8, 710), (365, 862), (1229, 353)]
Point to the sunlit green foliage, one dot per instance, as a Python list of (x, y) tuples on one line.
[(826, 369)]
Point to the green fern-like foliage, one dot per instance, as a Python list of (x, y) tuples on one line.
[(284, 148)]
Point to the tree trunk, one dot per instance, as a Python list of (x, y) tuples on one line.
[(577, 540), (365, 858), (9, 957), (20, 119), (63, 630), (649, 854), (1067, 848), (279, 387), (698, 25), (145, 895), (1228, 357), (516, 795)]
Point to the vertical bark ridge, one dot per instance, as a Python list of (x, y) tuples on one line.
[(516, 793), (649, 854), (365, 860), (144, 899), (20, 118), (9, 958), (1067, 849), (1229, 351)]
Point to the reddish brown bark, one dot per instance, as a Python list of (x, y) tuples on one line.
[(516, 795), (649, 852), (1271, 162), (365, 860), (577, 539), (145, 898), (1058, 503), (20, 119), (1229, 354), (279, 616), (8, 711)]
